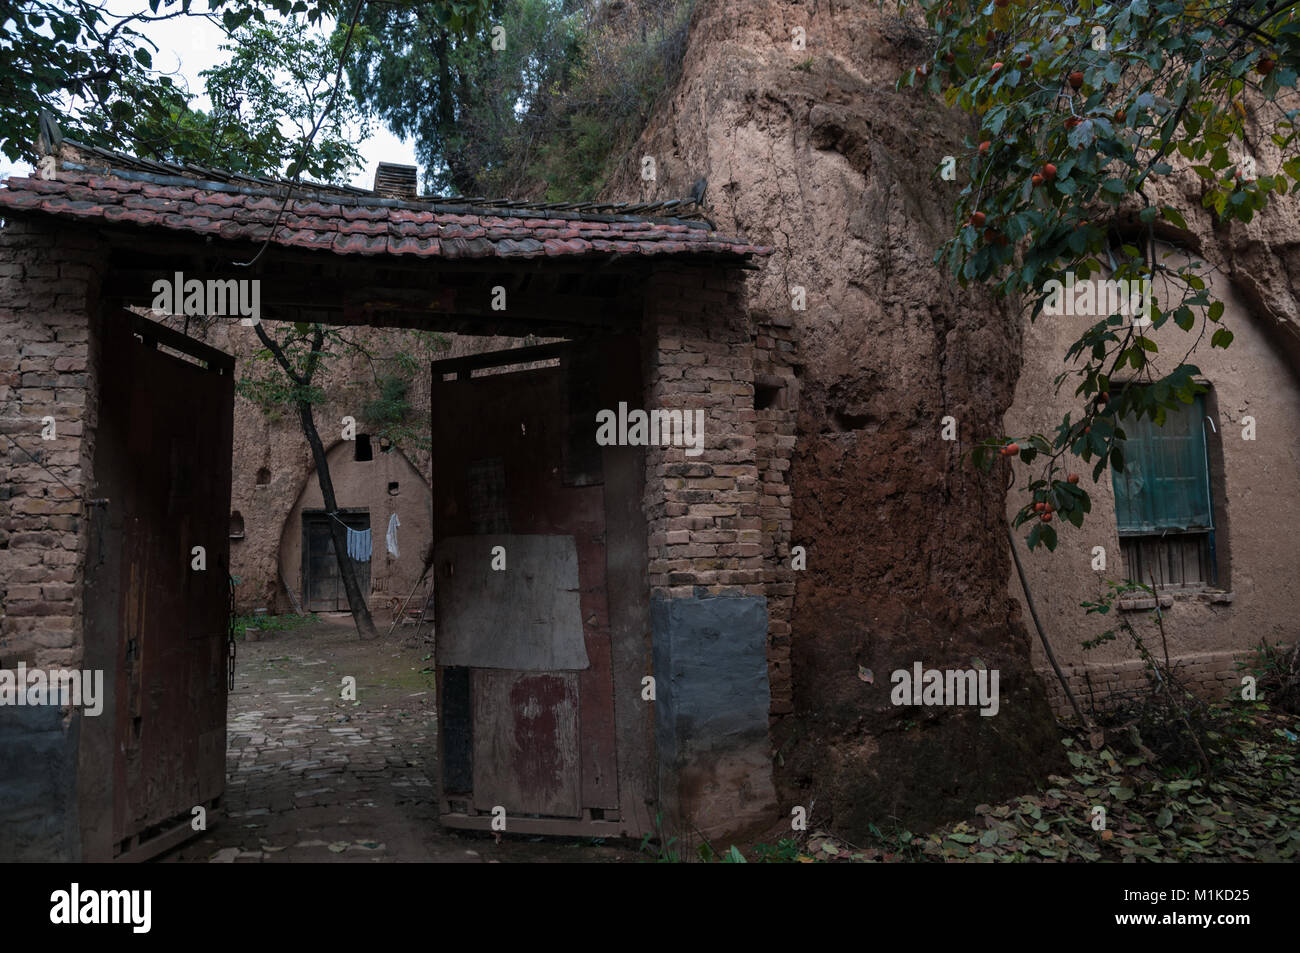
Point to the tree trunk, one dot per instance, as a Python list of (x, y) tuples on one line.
[(338, 533), (356, 599)]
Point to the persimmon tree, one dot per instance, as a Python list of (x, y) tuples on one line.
[(1081, 109)]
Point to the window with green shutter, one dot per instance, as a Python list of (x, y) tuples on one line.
[(1163, 500)]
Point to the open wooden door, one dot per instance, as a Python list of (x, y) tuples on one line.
[(158, 588), (526, 673)]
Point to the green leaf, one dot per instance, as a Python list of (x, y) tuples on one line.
[(1174, 216), (1221, 338), (1049, 537)]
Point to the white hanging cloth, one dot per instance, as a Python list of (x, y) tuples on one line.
[(393, 523)]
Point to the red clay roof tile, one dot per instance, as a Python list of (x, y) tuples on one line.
[(352, 227)]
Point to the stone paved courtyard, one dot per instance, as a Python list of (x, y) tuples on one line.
[(311, 777)]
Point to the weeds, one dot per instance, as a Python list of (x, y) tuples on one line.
[(268, 623), (1171, 719), (1276, 670), (658, 846)]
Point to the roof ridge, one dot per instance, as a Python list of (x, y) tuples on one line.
[(160, 172)]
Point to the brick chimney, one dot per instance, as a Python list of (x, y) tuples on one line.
[(395, 181)]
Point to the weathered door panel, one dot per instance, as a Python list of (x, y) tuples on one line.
[(526, 742), (166, 483), (322, 583), (514, 475), (527, 616), (595, 683)]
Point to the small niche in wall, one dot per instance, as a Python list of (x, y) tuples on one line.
[(769, 393), (236, 525), (363, 453), (264, 477), (392, 488)]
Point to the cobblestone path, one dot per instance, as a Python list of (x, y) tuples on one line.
[(311, 777)]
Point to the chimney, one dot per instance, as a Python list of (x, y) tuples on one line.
[(395, 181)]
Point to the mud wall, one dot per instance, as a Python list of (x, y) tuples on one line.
[(1252, 482), (368, 485), (815, 152)]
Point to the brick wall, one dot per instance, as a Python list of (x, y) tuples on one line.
[(705, 517), (719, 521), (49, 281), (775, 347), (703, 512), (1211, 675)]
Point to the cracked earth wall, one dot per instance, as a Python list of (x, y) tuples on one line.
[(816, 153)]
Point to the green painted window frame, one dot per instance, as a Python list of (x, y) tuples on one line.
[(1165, 486)]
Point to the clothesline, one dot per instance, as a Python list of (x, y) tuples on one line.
[(360, 545)]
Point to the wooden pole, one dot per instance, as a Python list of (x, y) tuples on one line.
[(402, 611), (1047, 646)]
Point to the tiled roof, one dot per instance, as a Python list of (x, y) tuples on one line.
[(354, 222), (80, 157)]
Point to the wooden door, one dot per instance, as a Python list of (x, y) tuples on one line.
[(158, 583), (523, 650), (322, 582)]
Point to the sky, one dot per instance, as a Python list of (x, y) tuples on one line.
[(189, 45)]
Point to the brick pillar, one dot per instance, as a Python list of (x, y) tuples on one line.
[(49, 287), (775, 360), (708, 604)]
